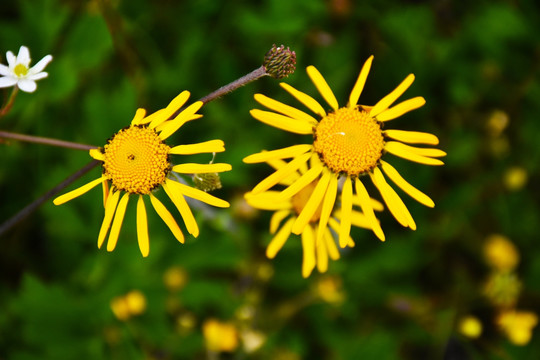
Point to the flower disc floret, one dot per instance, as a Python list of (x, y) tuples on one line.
[(136, 160), (349, 141)]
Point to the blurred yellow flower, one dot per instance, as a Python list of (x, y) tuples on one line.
[(175, 278), (136, 161), (350, 143), (517, 325), (515, 178), (470, 326), (220, 336), (500, 253), (502, 289), (330, 289), (131, 304), (497, 122)]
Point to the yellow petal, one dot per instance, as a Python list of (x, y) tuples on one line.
[(323, 87), (279, 239), (117, 222), (110, 208), (191, 168), (78, 192), (282, 122), (412, 137), (392, 200), (105, 189), (404, 152), (278, 164), (185, 119), (197, 194), (142, 228), (282, 173), (170, 127), (305, 99), (336, 226), (97, 154), (360, 82), (312, 204), (267, 200), (285, 153), (389, 99), (346, 208), (322, 255), (301, 182), (139, 115), (204, 147), (360, 220), (333, 251), (285, 109), (367, 209), (167, 218), (413, 192), (308, 245), (277, 218), (428, 152), (183, 208), (163, 115), (401, 108), (327, 206)]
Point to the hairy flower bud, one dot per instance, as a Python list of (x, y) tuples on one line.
[(279, 62)]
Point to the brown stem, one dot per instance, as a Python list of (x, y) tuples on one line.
[(45, 141), (49, 194), (244, 80)]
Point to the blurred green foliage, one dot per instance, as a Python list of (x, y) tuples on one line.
[(401, 299)]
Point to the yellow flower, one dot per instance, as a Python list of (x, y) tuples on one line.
[(518, 325), (470, 326), (131, 304), (501, 253), (220, 336), (350, 141), (136, 161), (317, 241)]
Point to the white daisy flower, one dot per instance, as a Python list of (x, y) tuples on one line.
[(19, 73)]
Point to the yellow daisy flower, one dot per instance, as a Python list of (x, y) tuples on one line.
[(350, 141), (136, 161), (317, 240)]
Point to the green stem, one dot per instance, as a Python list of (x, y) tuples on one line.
[(45, 141), (10, 101), (45, 197)]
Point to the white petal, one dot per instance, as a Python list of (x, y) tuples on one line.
[(7, 81), (27, 85), (37, 76), (24, 56), (4, 70), (40, 65), (11, 59)]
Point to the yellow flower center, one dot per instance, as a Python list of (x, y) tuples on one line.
[(349, 141), (20, 70), (136, 160), (301, 198)]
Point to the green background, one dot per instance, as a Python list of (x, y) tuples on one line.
[(402, 297)]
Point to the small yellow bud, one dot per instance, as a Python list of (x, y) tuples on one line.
[(175, 278), (136, 302)]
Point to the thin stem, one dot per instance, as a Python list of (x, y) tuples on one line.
[(45, 141), (49, 194), (244, 80), (10, 101)]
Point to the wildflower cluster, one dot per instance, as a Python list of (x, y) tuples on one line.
[(317, 190)]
